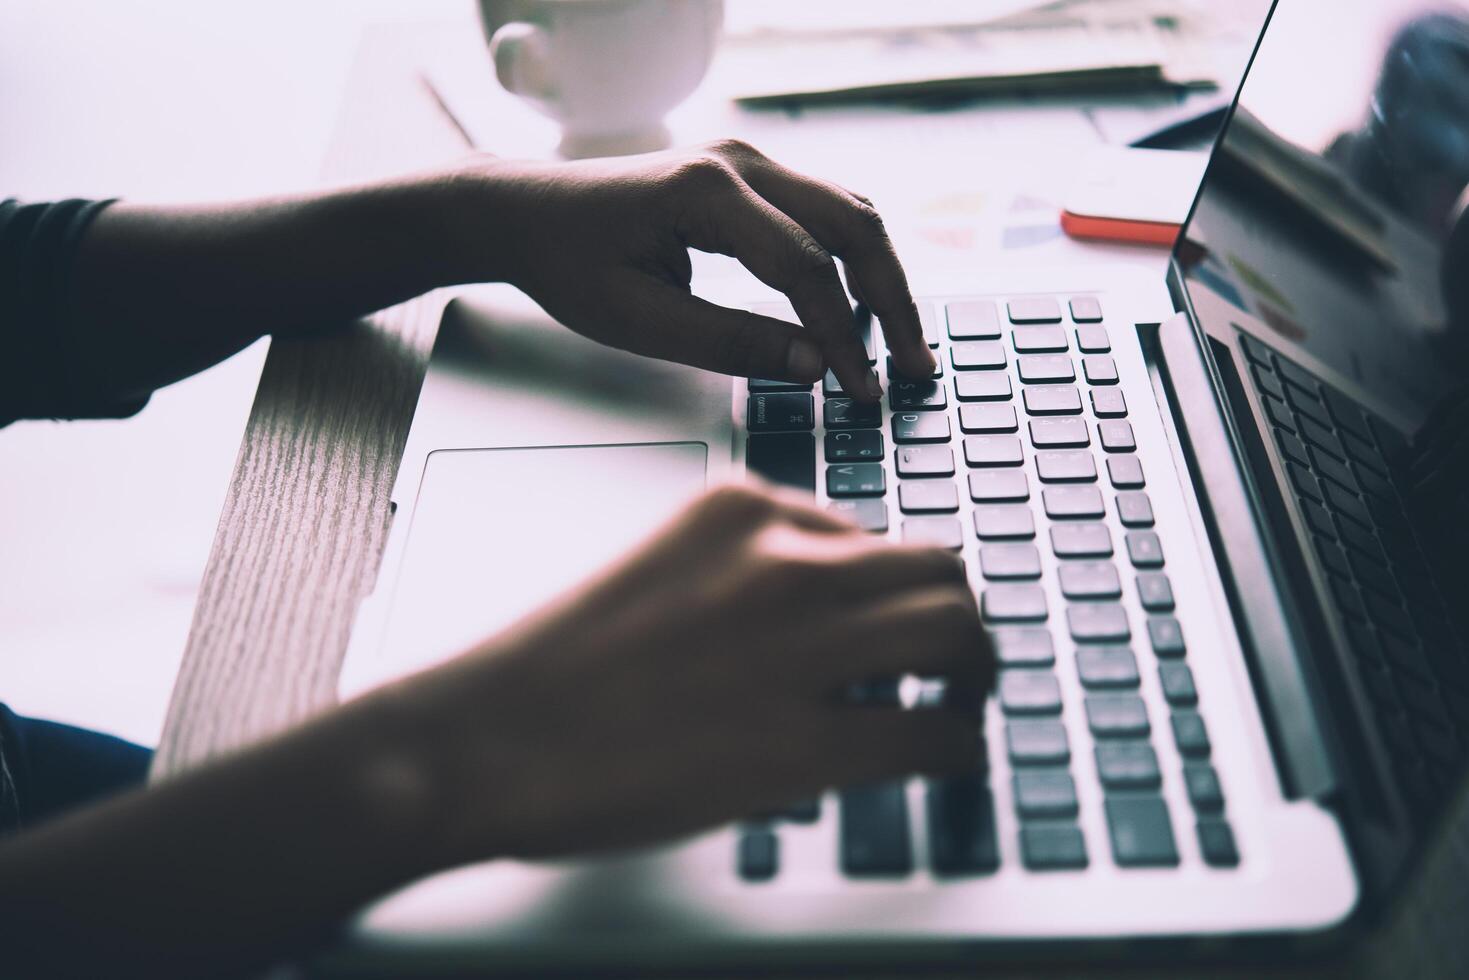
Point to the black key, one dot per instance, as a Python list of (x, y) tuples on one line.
[(1066, 433), (868, 513), (1022, 646), (973, 319), (1038, 340), (1155, 592), (1063, 503), (1029, 692), (1141, 833), (855, 480), (1134, 509), (1037, 743), (1166, 636), (986, 486), (1046, 369), (977, 355), (1125, 472), (1296, 375), (982, 387), (1066, 466), (1089, 580), (1190, 735), (844, 413), (855, 446), (928, 497), (961, 826), (1322, 438), (1144, 549), (992, 450), (1204, 791), (1086, 309), (1052, 847), (761, 386), (1116, 716), (999, 521), (1363, 453), (1115, 435), (759, 854), (1009, 561), (940, 532), (1097, 622), (1333, 469), (1266, 380), (917, 396), (1044, 793), (928, 321), (787, 458), (1128, 765), (924, 461), (1178, 684), (874, 831), (1093, 339), (1373, 576), (1081, 541), (1292, 448), (1008, 603), (1303, 481), (987, 418), (1034, 309), (914, 427), (1053, 400), (1333, 558), (1362, 541), (895, 375), (791, 411), (1318, 517), (1256, 351), (1107, 667), (830, 385), (1279, 414), (1216, 840), (1347, 414), (803, 811), (1346, 504), (1108, 403), (1099, 369)]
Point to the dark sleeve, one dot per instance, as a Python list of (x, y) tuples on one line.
[(40, 373)]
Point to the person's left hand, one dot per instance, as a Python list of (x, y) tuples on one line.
[(603, 245)]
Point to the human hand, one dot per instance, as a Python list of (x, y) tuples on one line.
[(603, 245), (700, 680)]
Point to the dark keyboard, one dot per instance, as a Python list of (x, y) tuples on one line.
[(1339, 461), (1017, 451)]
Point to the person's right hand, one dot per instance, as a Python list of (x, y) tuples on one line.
[(701, 680)]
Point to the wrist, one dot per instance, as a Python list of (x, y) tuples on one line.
[(475, 212)]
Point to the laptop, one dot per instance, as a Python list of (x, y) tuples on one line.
[(1212, 522)]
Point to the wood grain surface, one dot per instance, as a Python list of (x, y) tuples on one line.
[(303, 524)]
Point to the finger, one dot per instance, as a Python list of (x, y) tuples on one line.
[(932, 631), (877, 568), (884, 743)]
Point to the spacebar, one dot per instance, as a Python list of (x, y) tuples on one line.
[(787, 458)]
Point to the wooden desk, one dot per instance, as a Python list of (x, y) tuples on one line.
[(302, 530)]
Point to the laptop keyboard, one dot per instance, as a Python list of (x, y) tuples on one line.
[(1020, 444), (1338, 461)]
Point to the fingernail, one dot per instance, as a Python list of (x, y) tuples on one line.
[(803, 361), (874, 387)]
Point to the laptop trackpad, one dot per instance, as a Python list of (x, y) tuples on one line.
[(497, 533)]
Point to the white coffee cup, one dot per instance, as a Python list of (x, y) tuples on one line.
[(607, 70)]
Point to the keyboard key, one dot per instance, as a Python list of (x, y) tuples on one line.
[(855, 480), (874, 831), (803, 811), (1046, 369), (1081, 541), (1053, 400), (987, 418), (1266, 380), (1166, 636), (1063, 433), (1089, 580), (1361, 541), (830, 385), (1010, 561), (1204, 791), (982, 387), (1073, 502), (759, 854), (1022, 646), (987, 486), (844, 413), (1125, 472), (1107, 667), (928, 497), (1086, 309), (1297, 375), (1044, 793), (916, 427), (1052, 847), (1038, 340), (1303, 481), (1347, 414), (1097, 622), (858, 445), (1279, 414), (1142, 835), (1144, 549), (961, 826), (1155, 592), (759, 386), (1292, 448), (917, 396), (1099, 369), (1178, 684), (929, 323), (1093, 339), (1128, 765), (1065, 466), (1115, 435), (1034, 309), (1190, 735), (1348, 505), (1008, 603), (1116, 716), (973, 319), (1029, 692), (1256, 351), (992, 450), (998, 521), (977, 355), (1134, 509), (1308, 407), (1322, 438), (924, 461), (1332, 469), (782, 412), (1108, 403), (940, 532), (868, 513), (1216, 840), (1037, 743), (895, 375)]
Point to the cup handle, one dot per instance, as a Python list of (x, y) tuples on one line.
[(521, 53)]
